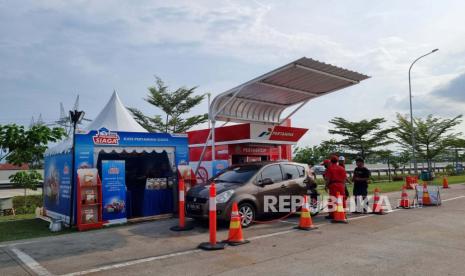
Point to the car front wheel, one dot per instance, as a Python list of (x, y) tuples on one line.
[(247, 213)]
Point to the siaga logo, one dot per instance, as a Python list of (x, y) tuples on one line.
[(66, 169), (266, 133), (105, 137), (113, 171)]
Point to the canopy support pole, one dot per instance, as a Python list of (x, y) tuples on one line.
[(293, 112), (203, 153), (213, 146)]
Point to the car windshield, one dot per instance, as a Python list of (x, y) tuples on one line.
[(240, 174)]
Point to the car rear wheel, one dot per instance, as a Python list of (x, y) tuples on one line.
[(247, 213)]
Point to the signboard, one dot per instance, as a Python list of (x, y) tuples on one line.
[(247, 149), (276, 133), (208, 169), (86, 143), (114, 191), (57, 185), (246, 133)]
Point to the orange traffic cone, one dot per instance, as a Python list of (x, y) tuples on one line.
[(306, 222), (445, 183), (235, 236), (339, 216), (377, 208), (426, 200), (404, 201)]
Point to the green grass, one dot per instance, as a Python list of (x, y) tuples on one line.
[(17, 217), (17, 229), (386, 187)]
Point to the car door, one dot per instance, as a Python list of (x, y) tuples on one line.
[(274, 189)]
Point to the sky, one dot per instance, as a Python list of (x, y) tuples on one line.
[(51, 51)]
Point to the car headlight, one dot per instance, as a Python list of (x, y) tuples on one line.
[(224, 196)]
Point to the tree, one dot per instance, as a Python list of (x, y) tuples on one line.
[(455, 146), (22, 146), (26, 180), (361, 138), (433, 135), (386, 156), (400, 160), (315, 154), (174, 104), (307, 155)]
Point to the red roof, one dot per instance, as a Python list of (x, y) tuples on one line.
[(7, 166)]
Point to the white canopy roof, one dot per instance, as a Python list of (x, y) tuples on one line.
[(263, 99), (115, 117)]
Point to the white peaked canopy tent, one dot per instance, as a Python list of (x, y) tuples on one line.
[(264, 99), (114, 116)]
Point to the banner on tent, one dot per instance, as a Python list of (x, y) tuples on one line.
[(57, 185), (114, 191)]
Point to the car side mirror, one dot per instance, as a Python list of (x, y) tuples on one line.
[(266, 181)]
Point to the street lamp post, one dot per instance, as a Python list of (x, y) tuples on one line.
[(411, 111), (209, 95), (75, 117)]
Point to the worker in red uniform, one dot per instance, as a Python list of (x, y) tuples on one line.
[(326, 164), (335, 177)]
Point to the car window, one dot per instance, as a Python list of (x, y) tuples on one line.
[(273, 172), (301, 171), (239, 174), (290, 171)]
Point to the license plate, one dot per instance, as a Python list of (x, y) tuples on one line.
[(193, 206)]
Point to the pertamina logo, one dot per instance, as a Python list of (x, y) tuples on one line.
[(266, 133), (272, 132), (105, 137)]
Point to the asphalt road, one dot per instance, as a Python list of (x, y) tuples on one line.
[(423, 241)]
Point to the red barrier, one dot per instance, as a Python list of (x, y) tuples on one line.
[(212, 245), (182, 209)]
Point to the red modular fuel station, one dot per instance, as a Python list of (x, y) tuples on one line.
[(241, 143), (261, 110)]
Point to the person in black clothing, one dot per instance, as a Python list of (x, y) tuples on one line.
[(360, 180)]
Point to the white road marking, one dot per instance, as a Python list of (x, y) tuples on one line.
[(272, 234), (449, 199), (30, 262), (134, 262), (290, 222), (361, 217), (15, 244)]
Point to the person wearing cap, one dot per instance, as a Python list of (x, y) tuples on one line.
[(335, 177), (326, 164), (360, 178), (342, 163)]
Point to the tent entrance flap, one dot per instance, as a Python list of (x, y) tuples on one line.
[(144, 167)]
